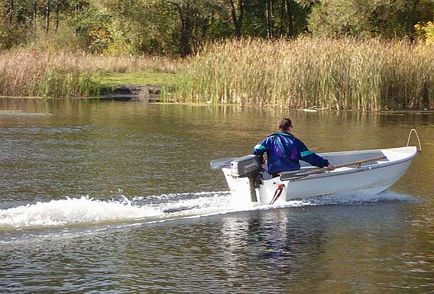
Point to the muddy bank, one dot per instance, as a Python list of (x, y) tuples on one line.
[(145, 93)]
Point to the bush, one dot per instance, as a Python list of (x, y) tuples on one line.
[(425, 31)]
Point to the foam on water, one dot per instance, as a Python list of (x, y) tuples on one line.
[(85, 210), (70, 211), (81, 210)]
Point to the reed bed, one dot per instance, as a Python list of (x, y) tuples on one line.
[(59, 74), (327, 73)]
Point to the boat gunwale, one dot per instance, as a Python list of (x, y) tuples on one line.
[(356, 170)]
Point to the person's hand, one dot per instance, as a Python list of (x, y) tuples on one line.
[(330, 167)]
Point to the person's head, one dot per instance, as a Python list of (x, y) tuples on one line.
[(285, 124)]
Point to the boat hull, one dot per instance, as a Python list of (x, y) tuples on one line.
[(369, 179)]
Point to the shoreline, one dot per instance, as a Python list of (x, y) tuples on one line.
[(155, 99)]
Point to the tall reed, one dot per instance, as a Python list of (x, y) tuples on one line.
[(62, 74), (306, 72)]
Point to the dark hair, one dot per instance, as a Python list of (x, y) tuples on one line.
[(285, 124)]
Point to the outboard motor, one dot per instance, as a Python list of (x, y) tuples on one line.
[(247, 166)]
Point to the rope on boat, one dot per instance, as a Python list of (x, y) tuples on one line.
[(417, 136)]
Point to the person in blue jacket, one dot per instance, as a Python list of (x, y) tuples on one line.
[(284, 151)]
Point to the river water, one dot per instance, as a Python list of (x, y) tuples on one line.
[(118, 197)]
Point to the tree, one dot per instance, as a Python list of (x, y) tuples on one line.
[(187, 11), (237, 15), (275, 18), (194, 19), (388, 19)]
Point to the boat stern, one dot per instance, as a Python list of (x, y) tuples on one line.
[(241, 188)]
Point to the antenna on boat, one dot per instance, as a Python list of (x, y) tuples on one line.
[(417, 136)]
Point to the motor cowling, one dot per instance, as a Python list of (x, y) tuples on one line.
[(245, 166)]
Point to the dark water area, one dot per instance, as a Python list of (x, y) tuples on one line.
[(119, 197)]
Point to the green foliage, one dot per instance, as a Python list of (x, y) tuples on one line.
[(64, 39), (274, 23), (141, 26), (11, 34), (425, 31), (389, 19), (182, 27), (151, 28), (3, 27), (90, 24), (336, 18)]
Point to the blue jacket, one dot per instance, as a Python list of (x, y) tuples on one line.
[(284, 152)]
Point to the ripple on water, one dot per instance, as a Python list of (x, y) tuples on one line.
[(88, 214)]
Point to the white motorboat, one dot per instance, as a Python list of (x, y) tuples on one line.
[(366, 171)]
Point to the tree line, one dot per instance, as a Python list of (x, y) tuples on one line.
[(181, 27)]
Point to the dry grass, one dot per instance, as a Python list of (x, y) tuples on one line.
[(322, 73), (59, 74), (303, 73)]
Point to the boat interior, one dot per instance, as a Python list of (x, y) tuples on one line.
[(337, 158)]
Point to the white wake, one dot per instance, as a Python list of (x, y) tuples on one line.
[(86, 210)]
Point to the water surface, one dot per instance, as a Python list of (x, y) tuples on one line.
[(119, 197)]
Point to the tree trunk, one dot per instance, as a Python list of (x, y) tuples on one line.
[(57, 15), (269, 16), (185, 14), (47, 15), (185, 40), (11, 11), (413, 19), (35, 11), (237, 20), (290, 21), (282, 28)]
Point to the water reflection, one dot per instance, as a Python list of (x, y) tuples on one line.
[(326, 249), (298, 248), (142, 150)]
